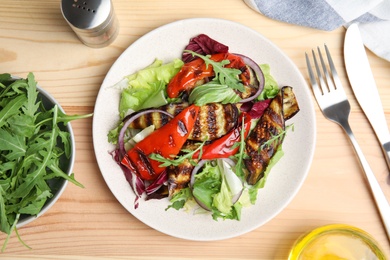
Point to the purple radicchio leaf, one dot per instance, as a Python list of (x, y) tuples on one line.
[(136, 183), (204, 45)]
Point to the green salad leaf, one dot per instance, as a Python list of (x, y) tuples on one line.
[(146, 87), (271, 87), (213, 91), (32, 144), (213, 189), (207, 184), (180, 199)]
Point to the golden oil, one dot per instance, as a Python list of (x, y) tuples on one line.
[(336, 242)]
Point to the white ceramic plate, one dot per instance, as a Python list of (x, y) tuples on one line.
[(286, 178)]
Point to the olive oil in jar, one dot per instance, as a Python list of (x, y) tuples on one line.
[(336, 242)]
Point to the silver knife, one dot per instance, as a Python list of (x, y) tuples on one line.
[(364, 87)]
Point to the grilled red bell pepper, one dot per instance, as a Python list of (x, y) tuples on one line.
[(166, 141), (196, 70), (222, 147)]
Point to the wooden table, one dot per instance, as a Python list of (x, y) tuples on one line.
[(89, 223)]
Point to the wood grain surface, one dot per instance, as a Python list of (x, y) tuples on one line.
[(90, 223)]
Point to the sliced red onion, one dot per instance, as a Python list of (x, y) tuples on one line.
[(121, 136), (260, 76)]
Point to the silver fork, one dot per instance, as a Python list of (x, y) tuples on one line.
[(334, 104)]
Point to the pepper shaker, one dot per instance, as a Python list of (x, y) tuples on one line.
[(93, 21)]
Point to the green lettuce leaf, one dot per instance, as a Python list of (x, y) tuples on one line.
[(147, 84), (213, 92), (271, 87), (223, 199), (207, 184), (179, 199), (212, 189)]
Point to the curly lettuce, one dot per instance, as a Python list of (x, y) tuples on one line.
[(146, 87)]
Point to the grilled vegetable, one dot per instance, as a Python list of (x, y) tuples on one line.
[(224, 147), (271, 124), (290, 103), (166, 141), (198, 70), (213, 121), (268, 134), (156, 118), (179, 176)]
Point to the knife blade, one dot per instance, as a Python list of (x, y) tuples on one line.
[(364, 87)]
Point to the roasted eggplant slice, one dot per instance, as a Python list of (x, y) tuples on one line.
[(214, 120), (260, 145), (158, 119), (179, 176), (268, 134), (251, 88), (290, 103)]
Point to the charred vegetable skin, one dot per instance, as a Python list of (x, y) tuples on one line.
[(213, 121), (156, 118), (179, 176), (224, 147), (290, 103), (166, 141), (272, 124), (197, 71)]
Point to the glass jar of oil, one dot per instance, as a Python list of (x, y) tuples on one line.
[(336, 241)]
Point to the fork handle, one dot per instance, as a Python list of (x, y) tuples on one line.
[(376, 190)]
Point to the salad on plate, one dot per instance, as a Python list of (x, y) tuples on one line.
[(202, 130)]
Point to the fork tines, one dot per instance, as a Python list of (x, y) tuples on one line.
[(332, 82)]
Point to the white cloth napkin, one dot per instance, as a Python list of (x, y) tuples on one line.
[(372, 16)]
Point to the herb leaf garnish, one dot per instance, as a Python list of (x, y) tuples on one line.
[(226, 76), (276, 138), (177, 160)]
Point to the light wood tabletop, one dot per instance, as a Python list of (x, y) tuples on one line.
[(89, 223)]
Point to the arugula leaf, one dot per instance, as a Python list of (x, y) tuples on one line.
[(64, 118), (32, 146), (22, 125), (4, 224), (276, 138), (13, 143), (11, 108), (32, 95), (226, 76), (177, 160)]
